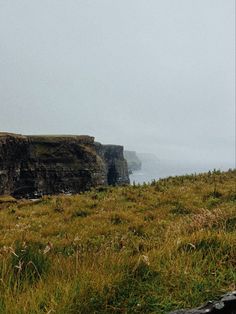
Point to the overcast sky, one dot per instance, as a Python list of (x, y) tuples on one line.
[(153, 75)]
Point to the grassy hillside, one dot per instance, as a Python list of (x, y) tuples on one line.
[(134, 249)]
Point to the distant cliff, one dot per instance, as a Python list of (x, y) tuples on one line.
[(134, 163), (36, 165)]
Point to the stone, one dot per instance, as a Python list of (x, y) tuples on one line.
[(225, 305)]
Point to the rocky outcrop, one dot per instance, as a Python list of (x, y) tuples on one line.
[(36, 165), (116, 165), (225, 305), (134, 163)]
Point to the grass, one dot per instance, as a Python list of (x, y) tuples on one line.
[(148, 248)]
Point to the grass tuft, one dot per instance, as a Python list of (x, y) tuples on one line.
[(28, 263)]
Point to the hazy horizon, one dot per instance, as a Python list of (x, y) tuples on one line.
[(153, 76)]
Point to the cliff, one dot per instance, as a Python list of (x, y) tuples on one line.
[(134, 163), (35, 165)]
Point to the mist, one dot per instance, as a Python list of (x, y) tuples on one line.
[(156, 76)]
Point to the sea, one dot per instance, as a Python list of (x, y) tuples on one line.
[(154, 168)]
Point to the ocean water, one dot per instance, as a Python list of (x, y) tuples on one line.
[(154, 169)]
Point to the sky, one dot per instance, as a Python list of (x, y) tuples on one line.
[(156, 76)]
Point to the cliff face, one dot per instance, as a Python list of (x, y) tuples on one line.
[(35, 165), (134, 163), (116, 165)]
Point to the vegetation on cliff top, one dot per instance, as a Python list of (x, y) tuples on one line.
[(134, 249)]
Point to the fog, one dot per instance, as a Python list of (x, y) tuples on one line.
[(156, 76)]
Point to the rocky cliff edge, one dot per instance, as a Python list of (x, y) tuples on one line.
[(32, 166)]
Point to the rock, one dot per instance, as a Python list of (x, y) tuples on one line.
[(32, 166), (134, 163), (225, 305), (116, 165)]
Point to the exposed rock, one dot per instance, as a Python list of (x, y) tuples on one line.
[(225, 305), (35, 165), (116, 165), (134, 163)]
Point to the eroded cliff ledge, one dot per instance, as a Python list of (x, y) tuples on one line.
[(36, 165)]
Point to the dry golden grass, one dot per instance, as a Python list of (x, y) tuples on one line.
[(134, 249)]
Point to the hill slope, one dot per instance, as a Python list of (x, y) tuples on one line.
[(135, 249)]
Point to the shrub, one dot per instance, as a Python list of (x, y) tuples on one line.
[(138, 230), (212, 202), (215, 194), (116, 219), (231, 197), (179, 209), (230, 224), (80, 213)]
